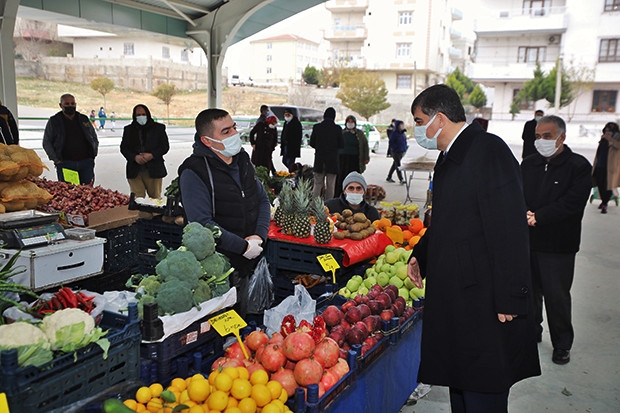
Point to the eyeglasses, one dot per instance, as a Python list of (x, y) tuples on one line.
[(355, 188)]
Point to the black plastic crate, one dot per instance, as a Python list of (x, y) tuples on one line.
[(106, 281), (152, 230), (146, 263), (301, 258), (120, 248)]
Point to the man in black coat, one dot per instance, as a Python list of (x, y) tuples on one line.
[(478, 336), (556, 184), (290, 139), (529, 130), (9, 132), (326, 139)]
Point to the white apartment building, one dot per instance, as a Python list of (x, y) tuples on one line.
[(513, 35), (412, 44), (281, 60)]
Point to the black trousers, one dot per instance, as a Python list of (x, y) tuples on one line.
[(464, 401), (600, 174), (552, 278), (396, 158)]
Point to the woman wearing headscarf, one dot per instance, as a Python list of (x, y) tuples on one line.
[(355, 155), (606, 166), (264, 142), (144, 145)]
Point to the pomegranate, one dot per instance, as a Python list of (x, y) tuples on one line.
[(253, 365), (340, 368), (255, 339), (276, 338), (259, 352), (223, 362), (272, 357), (327, 352), (286, 378), (308, 371), (234, 351), (329, 379), (298, 345)]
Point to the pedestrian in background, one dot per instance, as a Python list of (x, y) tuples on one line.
[(144, 144), (102, 118), (327, 140), (290, 140), (398, 148), (70, 141), (478, 336), (264, 142), (556, 184), (606, 170), (354, 156), (9, 132), (529, 130), (388, 132), (113, 121), (93, 118)]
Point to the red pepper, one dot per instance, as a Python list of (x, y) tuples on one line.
[(319, 329), (304, 326), (56, 304), (288, 325), (69, 296)]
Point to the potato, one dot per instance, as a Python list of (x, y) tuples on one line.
[(347, 213), (357, 236), (357, 227), (360, 217), (338, 235)]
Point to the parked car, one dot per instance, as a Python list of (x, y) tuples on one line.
[(371, 132), (244, 126), (237, 80)]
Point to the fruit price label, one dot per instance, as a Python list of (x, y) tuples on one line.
[(329, 263), (229, 322), (71, 176)]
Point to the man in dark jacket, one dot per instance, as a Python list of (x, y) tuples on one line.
[(478, 336), (556, 184), (144, 145), (219, 186), (290, 139), (9, 132), (326, 139), (70, 141), (529, 130), (352, 197)]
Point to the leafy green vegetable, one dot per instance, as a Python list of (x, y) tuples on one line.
[(174, 297), (71, 329), (32, 345), (181, 265), (199, 240)]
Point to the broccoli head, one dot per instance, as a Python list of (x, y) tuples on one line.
[(202, 293), (182, 265), (150, 284), (220, 288), (174, 297), (199, 240), (215, 264)]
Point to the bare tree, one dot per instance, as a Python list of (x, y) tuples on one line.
[(302, 96), (581, 78), (232, 100)]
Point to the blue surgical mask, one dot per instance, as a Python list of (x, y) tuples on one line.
[(420, 135), (141, 119), (354, 199), (232, 145)]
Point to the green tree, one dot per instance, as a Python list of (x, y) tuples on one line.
[(102, 85), (165, 92), (477, 97), (311, 75), (363, 92), (461, 84), (514, 109), (566, 90)]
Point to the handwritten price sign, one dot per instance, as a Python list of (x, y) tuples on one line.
[(229, 322), (329, 263)]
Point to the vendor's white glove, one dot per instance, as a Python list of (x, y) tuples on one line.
[(254, 248)]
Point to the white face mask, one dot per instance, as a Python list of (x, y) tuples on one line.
[(288, 118), (350, 125), (537, 118), (420, 135), (272, 126), (354, 199), (232, 145), (141, 120), (546, 147)]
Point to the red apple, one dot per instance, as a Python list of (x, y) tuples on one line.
[(364, 310), (353, 315), (355, 336), (332, 315), (348, 304), (385, 300), (361, 299), (362, 326), (387, 315)]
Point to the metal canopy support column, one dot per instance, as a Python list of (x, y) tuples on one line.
[(8, 88)]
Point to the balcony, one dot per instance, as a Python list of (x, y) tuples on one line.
[(456, 14), (505, 72), (455, 34), (346, 6), (346, 33), (518, 21), (455, 53)]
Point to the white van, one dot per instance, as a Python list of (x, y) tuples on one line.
[(237, 80)]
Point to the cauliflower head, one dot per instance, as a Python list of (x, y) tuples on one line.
[(71, 329), (199, 240), (32, 345)]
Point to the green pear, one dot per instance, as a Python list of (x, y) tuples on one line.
[(403, 292), (370, 281), (401, 270), (383, 279), (396, 281)]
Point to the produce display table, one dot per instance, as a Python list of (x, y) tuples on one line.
[(410, 167), (384, 385)]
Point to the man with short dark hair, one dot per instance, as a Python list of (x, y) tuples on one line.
[(326, 139), (219, 186), (529, 130), (478, 336), (70, 141), (556, 184), (290, 140)]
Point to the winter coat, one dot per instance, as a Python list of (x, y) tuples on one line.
[(398, 139), (528, 136), (613, 163), (326, 139), (340, 203), (9, 132), (290, 139), (54, 136), (363, 151), (264, 141), (475, 257), (150, 138), (556, 192)]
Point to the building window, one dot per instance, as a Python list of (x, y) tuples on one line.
[(165, 52), (268, 70), (531, 54), (269, 58), (184, 55), (269, 45), (612, 5), (403, 82), (609, 51), (534, 7), (403, 50), (128, 49), (522, 104), (604, 100), (405, 18)]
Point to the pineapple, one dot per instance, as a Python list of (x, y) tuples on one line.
[(322, 233), (288, 212), (284, 197), (302, 210)]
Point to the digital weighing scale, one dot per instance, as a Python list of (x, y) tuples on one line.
[(29, 229)]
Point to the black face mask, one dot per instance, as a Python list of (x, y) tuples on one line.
[(69, 110)]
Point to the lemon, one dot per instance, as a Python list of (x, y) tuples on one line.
[(259, 377), (271, 408), (243, 373), (247, 405), (232, 410), (232, 372), (156, 389), (241, 388), (261, 394), (218, 400), (131, 403), (275, 388), (179, 383), (143, 395), (199, 390), (223, 382)]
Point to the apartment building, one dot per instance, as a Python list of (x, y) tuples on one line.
[(281, 60), (514, 35), (411, 44)]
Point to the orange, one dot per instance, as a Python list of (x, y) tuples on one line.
[(156, 389), (223, 382), (384, 223), (247, 405), (199, 390), (407, 234), (179, 383), (259, 376), (241, 388), (415, 225), (422, 232), (414, 240), (218, 400), (261, 394), (143, 395)]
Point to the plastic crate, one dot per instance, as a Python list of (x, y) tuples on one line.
[(105, 282), (152, 230), (120, 249), (301, 258), (78, 375), (146, 263)]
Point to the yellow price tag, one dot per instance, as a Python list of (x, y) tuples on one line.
[(329, 263), (229, 322), (71, 176), (4, 405)]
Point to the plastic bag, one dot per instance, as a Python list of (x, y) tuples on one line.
[(260, 289), (301, 305)]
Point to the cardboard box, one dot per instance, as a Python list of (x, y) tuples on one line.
[(57, 264), (104, 219)]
